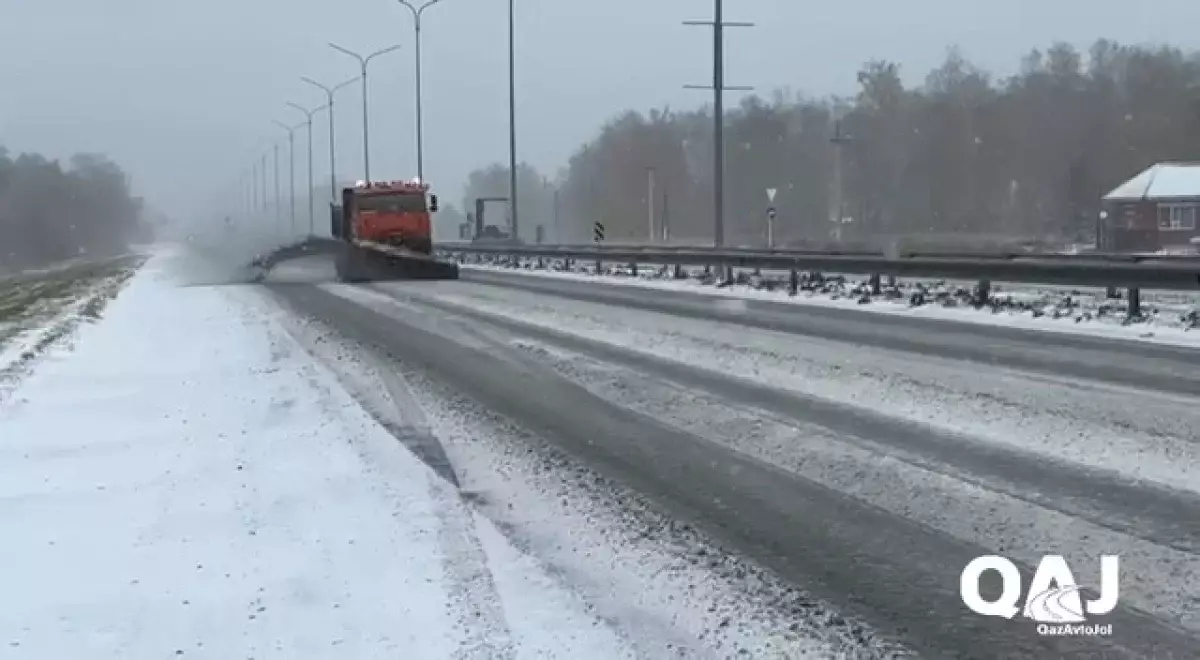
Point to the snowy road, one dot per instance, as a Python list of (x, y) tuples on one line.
[(1141, 364), (182, 479), (862, 468), (463, 470)]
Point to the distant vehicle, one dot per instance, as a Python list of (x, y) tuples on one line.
[(388, 232)]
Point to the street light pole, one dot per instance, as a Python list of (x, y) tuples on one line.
[(278, 200), (263, 160), (650, 204), (718, 88), (308, 114), (416, 14), (291, 131), (363, 62), (512, 114), (329, 92)]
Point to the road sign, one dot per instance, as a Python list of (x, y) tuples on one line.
[(598, 232), (771, 212), (771, 194)]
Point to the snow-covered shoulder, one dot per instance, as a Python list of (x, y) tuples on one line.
[(1028, 307), (188, 482)]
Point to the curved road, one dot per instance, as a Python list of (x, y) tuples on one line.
[(863, 458)]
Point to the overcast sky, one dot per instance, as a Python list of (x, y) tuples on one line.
[(182, 94)]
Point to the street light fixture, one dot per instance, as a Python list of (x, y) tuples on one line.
[(329, 92), (362, 62), (291, 131), (417, 11), (308, 114)]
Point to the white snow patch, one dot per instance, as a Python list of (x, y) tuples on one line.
[(188, 483), (597, 541), (1144, 435), (940, 500), (1161, 331)]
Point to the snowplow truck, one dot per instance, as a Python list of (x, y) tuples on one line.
[(387, 233)]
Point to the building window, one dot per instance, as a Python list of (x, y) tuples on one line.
[(1178, 217)]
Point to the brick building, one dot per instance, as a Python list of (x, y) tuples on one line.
[(1155, 211)]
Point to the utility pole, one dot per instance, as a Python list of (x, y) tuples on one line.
[(837, 212), (557, 227), (278, 200), (718, 87), (650, 204), (512, 113), (263, 160)]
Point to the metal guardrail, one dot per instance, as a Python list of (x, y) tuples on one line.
[(1159, 272), (1134, 272)]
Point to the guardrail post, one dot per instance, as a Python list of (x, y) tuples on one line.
[(982, 293), (1135, 303)]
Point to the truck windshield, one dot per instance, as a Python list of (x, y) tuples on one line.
[(397, 203)]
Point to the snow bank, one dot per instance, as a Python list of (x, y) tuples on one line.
[(1170, 317), (189, 483)]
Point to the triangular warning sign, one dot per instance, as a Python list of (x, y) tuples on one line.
[(771, 194)]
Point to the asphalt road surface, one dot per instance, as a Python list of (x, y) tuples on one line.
[(865, 459)]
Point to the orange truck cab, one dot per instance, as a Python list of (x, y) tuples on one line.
[(391, 212)]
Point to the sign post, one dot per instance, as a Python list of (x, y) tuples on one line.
[(598, 238), (771, 218)]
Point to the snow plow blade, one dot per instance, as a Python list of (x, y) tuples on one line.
[(381, 263)]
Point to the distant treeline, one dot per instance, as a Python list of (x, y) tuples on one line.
[(49, 213), (964, 154)]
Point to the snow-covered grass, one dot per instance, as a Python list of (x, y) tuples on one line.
[(1168, 317), (40, 310), (188, 482)]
